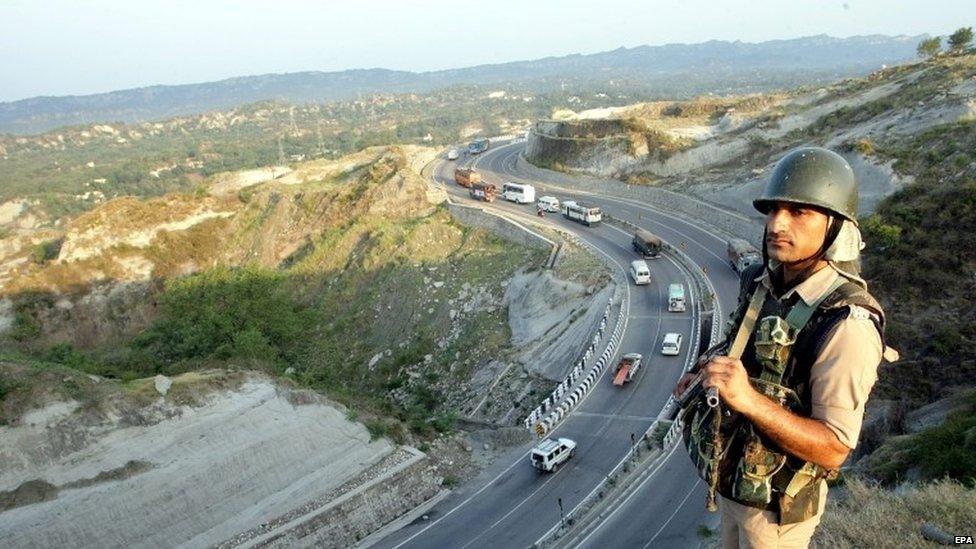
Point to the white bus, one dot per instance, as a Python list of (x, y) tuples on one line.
[(521, 194), (582, 213)]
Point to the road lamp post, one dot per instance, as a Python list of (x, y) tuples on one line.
[(562, 517)]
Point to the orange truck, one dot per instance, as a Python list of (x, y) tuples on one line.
[(466, 177), (627, 368), (483, 191)]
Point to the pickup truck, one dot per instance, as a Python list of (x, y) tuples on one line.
[(627, 368)]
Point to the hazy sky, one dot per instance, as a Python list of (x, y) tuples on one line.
[(74, 47)]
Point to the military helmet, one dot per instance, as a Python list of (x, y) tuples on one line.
[(813, 176)]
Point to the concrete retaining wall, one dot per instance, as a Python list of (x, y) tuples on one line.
[(505, 228), (355, 515)]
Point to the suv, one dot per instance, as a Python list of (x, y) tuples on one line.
[(549, 454)]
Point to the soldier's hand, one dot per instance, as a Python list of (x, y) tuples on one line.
[(729, 376), (682, 385)]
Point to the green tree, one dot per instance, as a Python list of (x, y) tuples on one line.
[(960, 39), (929, 47)]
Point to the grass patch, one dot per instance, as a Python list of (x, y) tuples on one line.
[(870, 516)]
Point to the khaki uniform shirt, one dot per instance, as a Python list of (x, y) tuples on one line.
[(841, 379), (843, 374)]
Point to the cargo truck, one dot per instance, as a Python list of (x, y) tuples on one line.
[(482, 191), (742, 254), (466, 177), (646, 244), (627, 368)]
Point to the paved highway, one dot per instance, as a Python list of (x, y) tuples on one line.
[(511, 505)]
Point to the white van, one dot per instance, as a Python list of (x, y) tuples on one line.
[(671, 345), (549, 454), (548, 203), (520, 194), (639, 272)]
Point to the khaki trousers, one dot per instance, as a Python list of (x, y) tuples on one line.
[(746, 527)]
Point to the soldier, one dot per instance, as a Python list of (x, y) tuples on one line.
[(796, 369)]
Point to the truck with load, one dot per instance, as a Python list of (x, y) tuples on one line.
[(549, 454), (627, 368), (646, 244), (676, 298), (482, 191), (742, 254), (466, 177), (582, 213)]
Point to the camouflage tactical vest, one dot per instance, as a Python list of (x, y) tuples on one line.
[(746, 466)]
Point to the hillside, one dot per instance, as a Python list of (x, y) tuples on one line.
[(332, 322), (909, 132), (672, 70)]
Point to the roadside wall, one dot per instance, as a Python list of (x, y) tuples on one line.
[(354, 516), (505, 228)]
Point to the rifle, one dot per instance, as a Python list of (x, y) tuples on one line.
[(696, 390), (748, 323)]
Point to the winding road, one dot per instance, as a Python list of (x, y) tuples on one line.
[(512, 505)]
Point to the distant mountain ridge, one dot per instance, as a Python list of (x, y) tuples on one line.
[(701, 66)]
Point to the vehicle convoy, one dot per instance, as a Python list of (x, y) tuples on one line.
[(520, 194), (627, 368), (676, 298), (483, 191), (453, 154), (582, 213), (742, 255), (549, 454), (479, 145), (646, 244), (640, 272), (466, 177), (548, 203)]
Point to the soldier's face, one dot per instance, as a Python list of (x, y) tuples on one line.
[(794, 232)]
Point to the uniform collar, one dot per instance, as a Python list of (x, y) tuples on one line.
[(810, 290)]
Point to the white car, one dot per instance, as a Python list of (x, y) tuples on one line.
[(549, 454), (671, 345), (453, 154)]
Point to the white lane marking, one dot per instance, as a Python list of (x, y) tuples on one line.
[(615, 416), (676, 509), (463, 503), (639, 488), (617, 351), (521, 458)]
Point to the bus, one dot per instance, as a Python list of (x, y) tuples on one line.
[(520, 194), (479, 145), (582, 213)]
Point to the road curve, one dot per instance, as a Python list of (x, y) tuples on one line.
[(510, 504)]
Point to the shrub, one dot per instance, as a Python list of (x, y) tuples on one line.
[(46, 251)]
